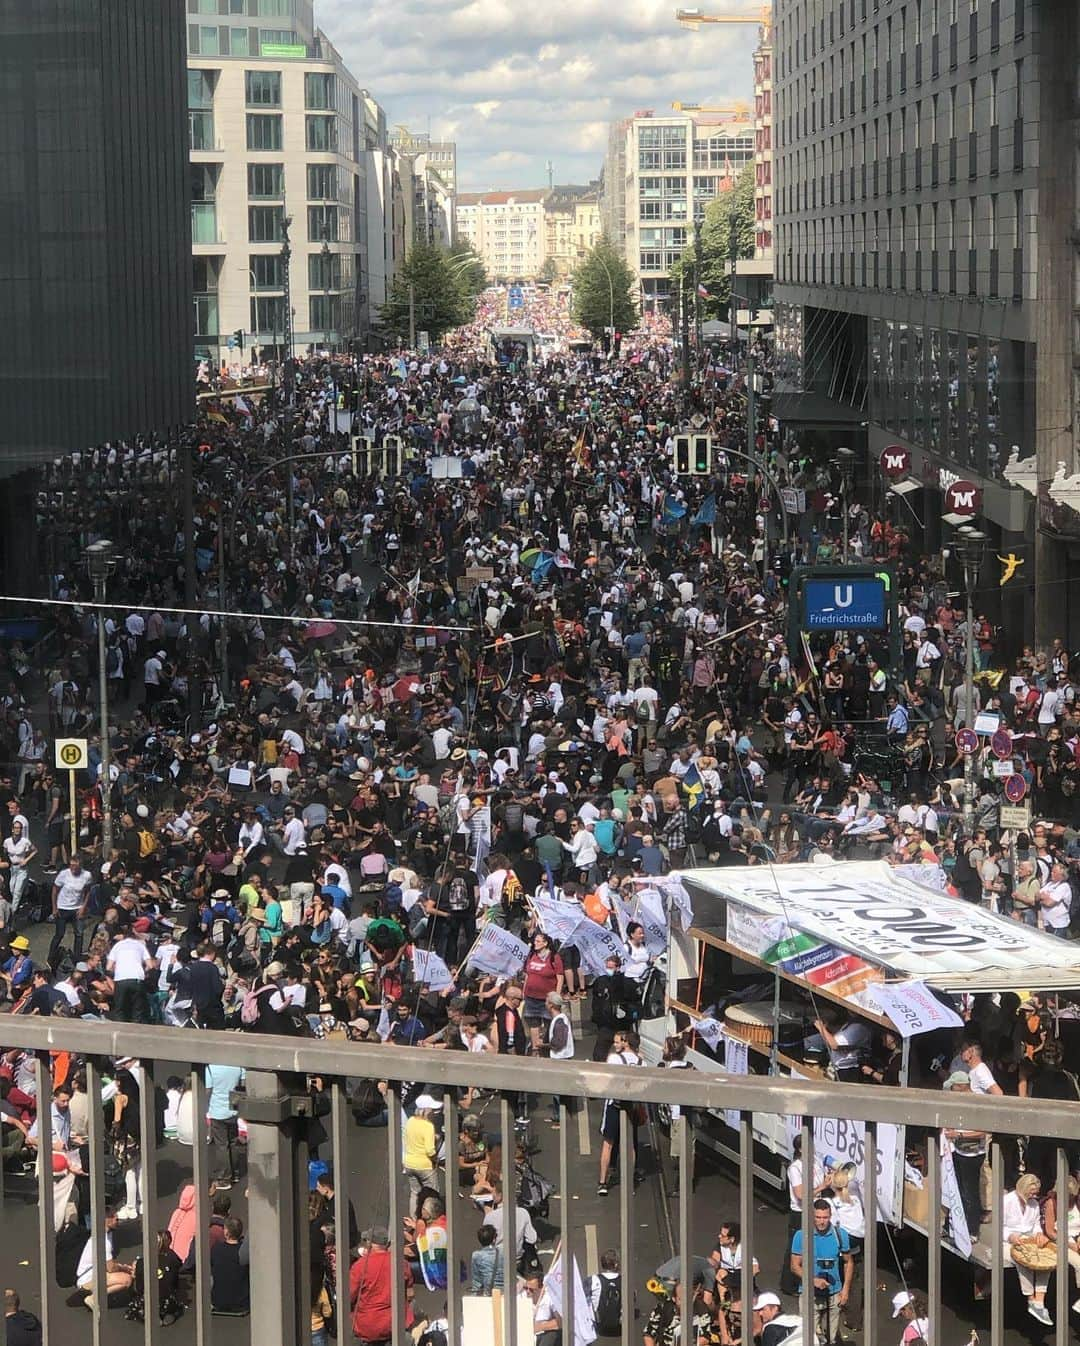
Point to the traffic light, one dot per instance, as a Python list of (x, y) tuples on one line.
[(701, 463), (682, 455), (239, 335)]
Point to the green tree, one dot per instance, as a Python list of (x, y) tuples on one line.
[(549, 272), (604, 290), (469, 266), (441, 298), (727, 232)]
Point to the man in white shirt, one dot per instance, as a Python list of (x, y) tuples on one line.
[(128, 963), (152, 670), (980, 1076), (1056, 902), (69, 896), (293, 834), (291, 741), (118, 1275)]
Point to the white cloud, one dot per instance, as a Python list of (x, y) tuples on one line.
[(517, 83)]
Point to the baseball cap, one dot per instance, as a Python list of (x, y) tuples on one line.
[(143, 925), (766, 1300), (959, 1079), (900, 1301)]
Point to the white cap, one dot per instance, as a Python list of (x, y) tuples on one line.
[(428, 1102), (900, 1301), (765, 1300)]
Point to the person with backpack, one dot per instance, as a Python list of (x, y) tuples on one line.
[(220, 919), (605, 1295)]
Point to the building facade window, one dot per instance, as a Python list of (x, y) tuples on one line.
[(266, 182), (266, 271), (321, 134), (262, 88), (318, 91), (265, 224), (264, 131)]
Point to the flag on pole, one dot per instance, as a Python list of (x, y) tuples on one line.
[(703, 292), (498, 952), (706, 515), (584, 1333), (579, 454), (673, 510), (694, 787), (811, 666)]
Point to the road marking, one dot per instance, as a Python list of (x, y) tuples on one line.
[(592, 1251), (584, 1138)]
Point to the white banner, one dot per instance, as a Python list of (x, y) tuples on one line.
[(430, 970), (678, 898), (596, 943), (498, 952), (710, 1030), (558, 920), (649, 912), (951, 1200), (584, 1322), (913, 1008), (736, 1062), (845, 1141)]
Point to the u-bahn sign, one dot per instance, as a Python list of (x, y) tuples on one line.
[(844, 598)]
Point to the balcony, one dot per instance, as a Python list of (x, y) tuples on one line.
[(201, 137), (204, 225), (723, 1112)]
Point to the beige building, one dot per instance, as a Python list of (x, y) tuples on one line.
[(507, 229), (279, 128), (573, 226), (673, 165)]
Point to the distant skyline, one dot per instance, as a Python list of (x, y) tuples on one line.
[(517, 84)]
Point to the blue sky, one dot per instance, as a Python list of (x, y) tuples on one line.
[(517, 83)]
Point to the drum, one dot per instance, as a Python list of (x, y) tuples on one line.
[(753, 1022)]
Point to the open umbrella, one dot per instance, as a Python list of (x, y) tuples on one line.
[(529, 555), (319, 630)]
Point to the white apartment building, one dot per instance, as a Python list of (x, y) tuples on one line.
[(507, 229), (279, 129), (674, 165)]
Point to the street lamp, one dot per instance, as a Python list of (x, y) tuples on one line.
[(611, 299), (326, 254), (846, 460), (100, 563), (289, 374), (970, 548)]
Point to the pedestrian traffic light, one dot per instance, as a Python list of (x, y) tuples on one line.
[(682, 455), (239, 335), (701, 461)]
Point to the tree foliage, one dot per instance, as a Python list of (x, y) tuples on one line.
[(727, 232), (441, 295), (469, 265), (549, 272), (604, 288)]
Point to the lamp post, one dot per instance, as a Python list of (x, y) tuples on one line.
[(289, 376), (326, 255), (846, 460), (611, 299), (971, 543), (100, 564), (698, 216)]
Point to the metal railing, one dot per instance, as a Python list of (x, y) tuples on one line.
[(277, 1105)]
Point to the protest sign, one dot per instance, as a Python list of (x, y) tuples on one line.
[(498, 952)]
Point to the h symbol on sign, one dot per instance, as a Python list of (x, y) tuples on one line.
[(843, 595)]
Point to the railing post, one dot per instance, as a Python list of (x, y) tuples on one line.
[(273, 1109), (746, 1215), (627, 1159)]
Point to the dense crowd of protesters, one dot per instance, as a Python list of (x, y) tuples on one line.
[(515, 657)]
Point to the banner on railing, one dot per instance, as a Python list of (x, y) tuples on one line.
[(914, 1008)]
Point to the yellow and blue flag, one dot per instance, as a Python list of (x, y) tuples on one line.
[(694, 788)]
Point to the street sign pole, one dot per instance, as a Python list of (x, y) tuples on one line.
[(72, 755)]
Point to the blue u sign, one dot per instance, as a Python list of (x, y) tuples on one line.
[(844, 604)]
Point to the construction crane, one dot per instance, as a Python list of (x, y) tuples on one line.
[(738, 112), (693, 17)]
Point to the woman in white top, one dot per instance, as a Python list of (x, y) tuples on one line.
[(19, 850), (1021, 1218), (638, 960), (850, 1216), (624, 1052)]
